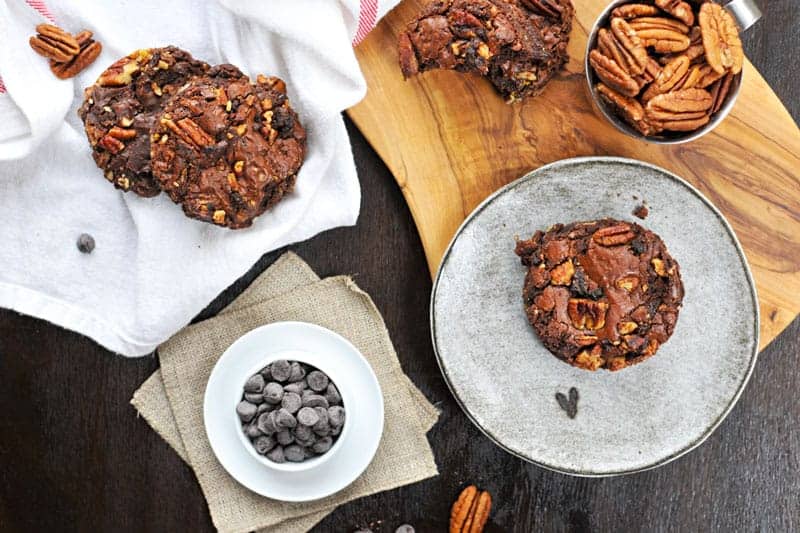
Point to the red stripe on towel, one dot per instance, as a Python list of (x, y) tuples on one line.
[(42, 9), (367, 13)]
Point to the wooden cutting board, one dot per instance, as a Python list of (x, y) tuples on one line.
[(450, 141)]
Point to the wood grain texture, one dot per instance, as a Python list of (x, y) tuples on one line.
[(450, 141)]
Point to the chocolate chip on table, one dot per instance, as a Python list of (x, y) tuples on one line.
[(322, 445), (85, 243), (332, 394), (297, 372), (291, 402), (284, 437), (336, 416), (276, 455), (285, 419), (273, 393), (317, 381), (281, 370), (315, 400), (405, 528), (255, 383), (307, 416), (246, 411), (263, 444)]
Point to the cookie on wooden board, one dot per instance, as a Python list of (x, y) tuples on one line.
[(119, 110), (227, 149), (600, 294)]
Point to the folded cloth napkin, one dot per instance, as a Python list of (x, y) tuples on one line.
[(153, 269), (288, 290)]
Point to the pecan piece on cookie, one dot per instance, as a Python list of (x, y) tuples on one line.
[(720, 39), (679, 9), (612, 74)]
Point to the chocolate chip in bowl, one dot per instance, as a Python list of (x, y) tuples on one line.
[(666, 71), (291, 412)]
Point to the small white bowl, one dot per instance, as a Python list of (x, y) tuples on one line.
[(322, 364), (347, 368)]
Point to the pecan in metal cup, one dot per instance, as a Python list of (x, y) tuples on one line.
[(667, 71)]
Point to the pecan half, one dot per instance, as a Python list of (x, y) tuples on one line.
[(629, 46), (119, 73), (470, 511), (710, 76), (720, 90), (661, 34), (679, 9), (613, 235), (691, 78), (89, 50), (612, 74), (587, 314), (189, 132), (632, 11), (683, 110), (720, 39), (668, 78), (54, 43), (629, 108)]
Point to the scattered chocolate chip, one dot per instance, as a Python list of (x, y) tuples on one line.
[(405, 528), (85, 243), (641, 211)]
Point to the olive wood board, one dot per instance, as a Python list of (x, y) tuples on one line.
[(450, 141)]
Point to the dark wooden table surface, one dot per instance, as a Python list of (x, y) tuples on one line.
[(75, 457)]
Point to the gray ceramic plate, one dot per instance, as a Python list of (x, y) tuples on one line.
[(627, 421)]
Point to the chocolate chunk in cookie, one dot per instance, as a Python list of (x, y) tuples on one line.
[(600, 294), (119, 110), (227, 149)]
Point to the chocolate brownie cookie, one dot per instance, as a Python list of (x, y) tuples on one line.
[(600, 294), (227, 149), (518, 44), (119, 110)]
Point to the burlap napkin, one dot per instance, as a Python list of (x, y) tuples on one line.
[(288, 290)]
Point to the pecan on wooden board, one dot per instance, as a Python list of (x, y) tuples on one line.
[(54, 43), (470, 512)]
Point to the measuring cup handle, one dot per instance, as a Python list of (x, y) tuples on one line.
[(746, 12)]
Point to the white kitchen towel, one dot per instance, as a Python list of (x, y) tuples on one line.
[(153, 269)]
